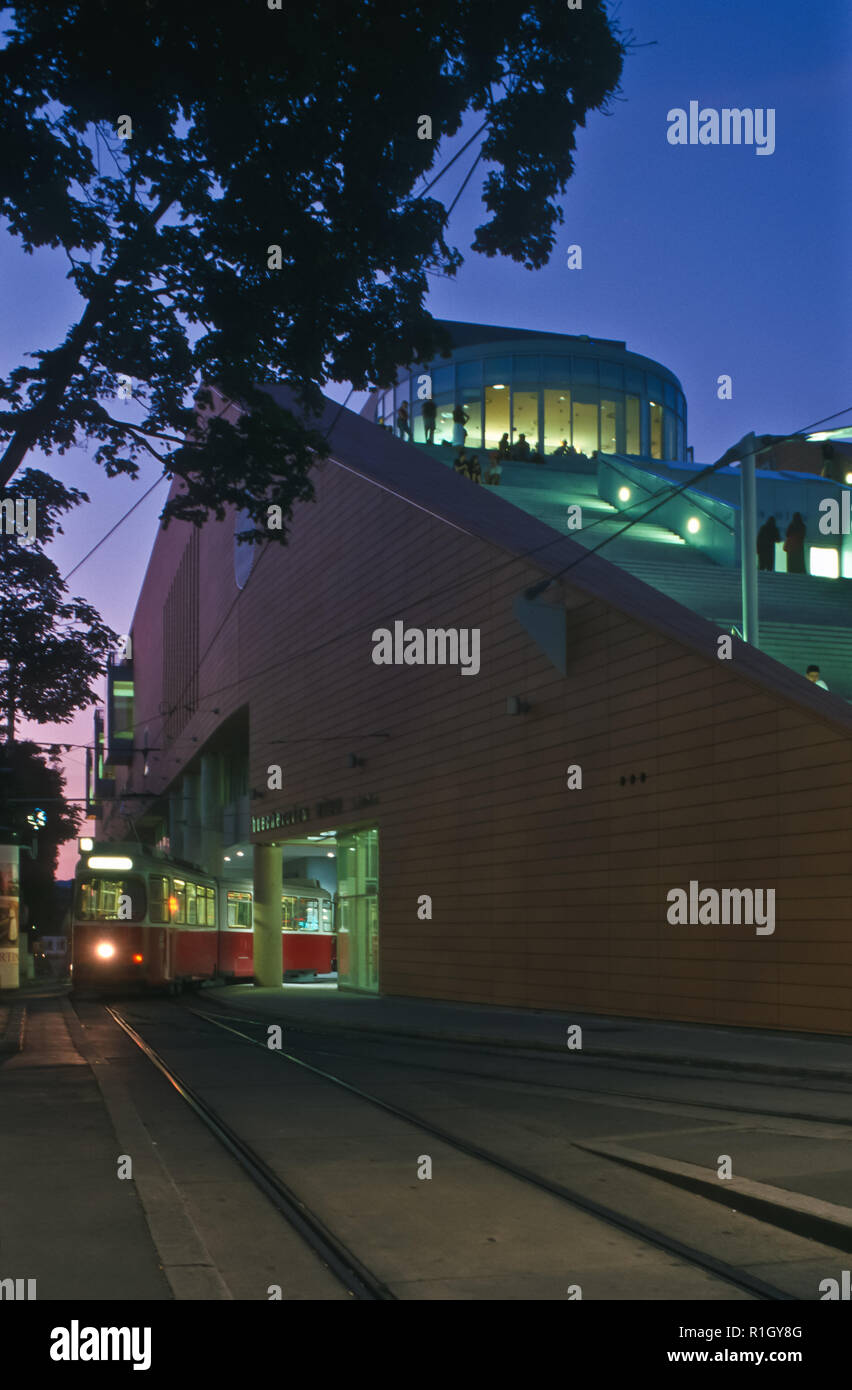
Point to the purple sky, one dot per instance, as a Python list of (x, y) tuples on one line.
[(710, 259)]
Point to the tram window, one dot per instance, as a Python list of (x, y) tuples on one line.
[(158, 899), (287, 914), (179, 914), (207, 906), (191, 904), (100, 899), (239, 910)]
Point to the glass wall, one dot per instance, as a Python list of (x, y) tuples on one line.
[(656, 430), (592, 404), (609, 411), (469, 394), (557, 418), (669, 439), (633, 440), (497, 402), (585, 416), (525, 417), (358, 910)]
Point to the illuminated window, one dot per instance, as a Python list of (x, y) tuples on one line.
[(472, 404), (585, 428), (179, 895), (824, 561), (158, 897), (100, 899), (239, 910), (207, 906), (525, 417), (608, 417), (634, 444), (557, 417), (656, 430), (496, 415)]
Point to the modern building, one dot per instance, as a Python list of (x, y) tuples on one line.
[(591, 392), (508, 756)]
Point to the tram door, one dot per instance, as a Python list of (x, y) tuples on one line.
[(358, 910)]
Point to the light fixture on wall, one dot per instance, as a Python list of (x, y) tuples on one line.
[(515, 705)]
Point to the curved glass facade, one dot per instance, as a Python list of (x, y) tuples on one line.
[(610, 401)]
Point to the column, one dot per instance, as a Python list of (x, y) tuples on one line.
[(268, 883)]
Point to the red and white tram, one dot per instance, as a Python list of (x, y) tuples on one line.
[(139, 917)]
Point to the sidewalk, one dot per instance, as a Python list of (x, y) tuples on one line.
[(12, 1007), (321, 1008)]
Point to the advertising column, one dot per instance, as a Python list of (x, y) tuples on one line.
[(9, 917)]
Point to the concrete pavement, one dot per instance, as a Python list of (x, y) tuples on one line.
[(322, 1006)]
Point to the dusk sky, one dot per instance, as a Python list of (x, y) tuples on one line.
[(709, 259)]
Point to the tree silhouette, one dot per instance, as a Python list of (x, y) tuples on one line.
[(166, 148), (52, 648)]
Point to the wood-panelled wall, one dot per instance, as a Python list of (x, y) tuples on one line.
[(542, 896)]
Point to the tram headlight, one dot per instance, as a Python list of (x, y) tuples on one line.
[(105, 950)]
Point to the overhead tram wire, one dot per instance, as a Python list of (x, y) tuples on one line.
[(486, 572), (113, 529)]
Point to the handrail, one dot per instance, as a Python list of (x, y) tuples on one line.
[(607, 461)]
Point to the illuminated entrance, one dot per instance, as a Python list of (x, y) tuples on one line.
[(358, 910), (329, 906)]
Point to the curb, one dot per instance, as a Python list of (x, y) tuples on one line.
[(791, 1211), (589, 1054)]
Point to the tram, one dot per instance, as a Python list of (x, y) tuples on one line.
[(140, 917)]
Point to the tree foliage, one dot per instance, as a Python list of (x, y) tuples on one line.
[(52, 648), (254, 127), (28, 780)]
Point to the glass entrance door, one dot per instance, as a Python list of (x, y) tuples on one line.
[(358, 910)]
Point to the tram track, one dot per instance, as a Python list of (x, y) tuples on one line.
[(334, 1252), (595, 1092)]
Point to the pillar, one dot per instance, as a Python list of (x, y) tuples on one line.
[(268, 883)]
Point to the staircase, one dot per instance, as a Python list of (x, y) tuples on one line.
[(803, 619)]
